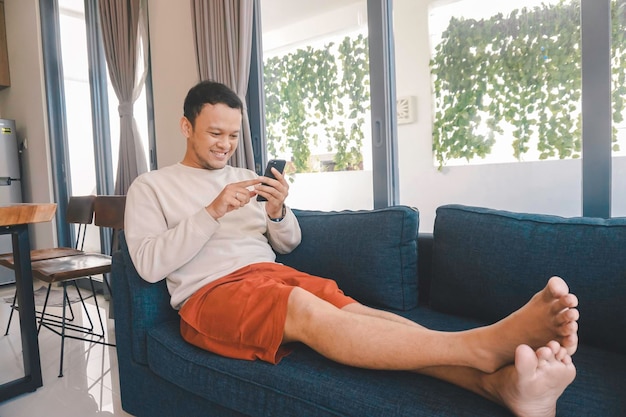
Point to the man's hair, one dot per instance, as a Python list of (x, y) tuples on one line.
[(209, 92)]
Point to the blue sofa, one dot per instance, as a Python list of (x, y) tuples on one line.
[(476, 267)]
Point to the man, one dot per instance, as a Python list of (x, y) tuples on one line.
[(198, 224)]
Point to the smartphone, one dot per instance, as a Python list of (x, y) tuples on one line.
[(279, 164)]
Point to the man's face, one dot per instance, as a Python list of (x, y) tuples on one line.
[(214, 137)]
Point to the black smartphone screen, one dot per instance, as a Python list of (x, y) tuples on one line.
[(279, 164)]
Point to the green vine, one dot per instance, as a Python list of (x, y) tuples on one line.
[(318, 96), (518, 75)]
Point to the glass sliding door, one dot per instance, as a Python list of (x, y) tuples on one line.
[(75, 61), (317, 100), (489, 105)]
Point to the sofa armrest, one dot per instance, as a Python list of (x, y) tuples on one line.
[(139, 305)]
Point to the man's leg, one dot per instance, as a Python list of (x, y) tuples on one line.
[(527, 382), (529, 388), (371, 341)]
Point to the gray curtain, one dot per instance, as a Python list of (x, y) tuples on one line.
[(223, 43), (122, 25)]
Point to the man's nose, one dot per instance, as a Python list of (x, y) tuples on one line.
[(223, 142)]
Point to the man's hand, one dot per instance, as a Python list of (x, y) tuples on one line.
[(232, 197), (275, 191)]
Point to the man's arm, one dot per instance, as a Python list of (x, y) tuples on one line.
[(155, 248), (283, 230), (284, 235)]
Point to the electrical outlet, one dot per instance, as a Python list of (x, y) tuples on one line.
[(406, 109)]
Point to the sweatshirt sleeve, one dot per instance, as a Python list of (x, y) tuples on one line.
[(284, 236), (156, 249)]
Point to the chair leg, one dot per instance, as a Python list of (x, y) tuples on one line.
[(95, 300), (62, 329), (82, 301), (67, 329), (69, 304), (11, 313), (45, 305)]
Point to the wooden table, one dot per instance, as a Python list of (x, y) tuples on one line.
[(14, 220)]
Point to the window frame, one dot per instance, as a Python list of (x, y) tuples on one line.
[(382, 95), (596, 107)]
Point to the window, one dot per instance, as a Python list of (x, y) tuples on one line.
[(549, 186), (82, 106), (319, 104), (560, 161), (507, 81)]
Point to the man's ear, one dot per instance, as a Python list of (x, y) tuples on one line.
[(185, 127)]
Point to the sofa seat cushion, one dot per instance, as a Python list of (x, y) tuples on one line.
[(487, 263), (315, 386), (372, 254), (306, 382)]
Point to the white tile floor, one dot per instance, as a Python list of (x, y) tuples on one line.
[(90, 385)]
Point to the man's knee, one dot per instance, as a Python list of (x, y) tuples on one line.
[(305, 311)]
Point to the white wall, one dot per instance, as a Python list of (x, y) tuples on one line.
[(173, 73)]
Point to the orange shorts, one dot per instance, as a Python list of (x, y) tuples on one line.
[(242, 315)]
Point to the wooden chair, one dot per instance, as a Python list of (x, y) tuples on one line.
[(109, 213), (79, 212)]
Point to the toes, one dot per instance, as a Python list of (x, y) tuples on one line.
[(545, 353), (567, 360), (560, 353), (567, 329), (570, 343), (554, 346), (557, 288), (568, 301), (526, 360), (569, 315), (571, 300)]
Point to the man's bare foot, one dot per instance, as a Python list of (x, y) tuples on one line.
[(531, 387), (556, 306), (550, 314)]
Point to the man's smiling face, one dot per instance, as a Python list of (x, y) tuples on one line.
[(213, 137)]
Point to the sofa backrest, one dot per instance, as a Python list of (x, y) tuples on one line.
[(487, 263), (372, 254)]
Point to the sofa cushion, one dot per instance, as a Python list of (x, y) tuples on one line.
[(487, 263), (372, 254), (317, 387), (305, 384)]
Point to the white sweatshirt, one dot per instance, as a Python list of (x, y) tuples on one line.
[(171, 235)]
